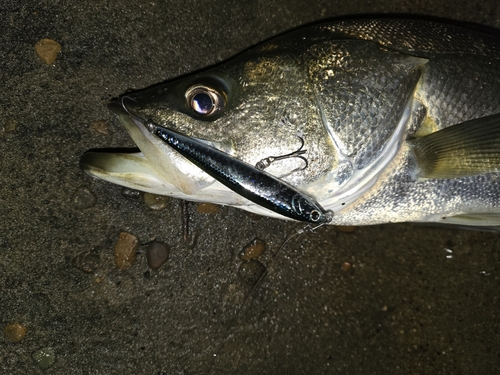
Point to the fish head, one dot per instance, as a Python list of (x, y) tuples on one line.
[(266, 107), (256, 106)]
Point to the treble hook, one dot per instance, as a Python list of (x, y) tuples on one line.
[(264, 163)]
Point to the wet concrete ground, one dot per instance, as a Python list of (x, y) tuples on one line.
[(417, 300)]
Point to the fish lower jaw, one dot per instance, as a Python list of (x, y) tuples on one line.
[(135, 172)]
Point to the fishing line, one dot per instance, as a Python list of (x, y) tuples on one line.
[(307, 228)]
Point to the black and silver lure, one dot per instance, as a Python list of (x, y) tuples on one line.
[(255, 185)]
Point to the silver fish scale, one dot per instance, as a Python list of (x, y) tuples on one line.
[(454, 92), (419, 36), (400, 198), (451, 91), (278, 106), (282, 107), (365, 77), (461, 81)]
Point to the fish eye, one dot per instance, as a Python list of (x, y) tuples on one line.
[(204, 100)]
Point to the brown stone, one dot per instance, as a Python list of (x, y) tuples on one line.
[(10, 125), (346, 266), (156, 254), (125, 250), (15, 332), (208, 208), (101, 127), (155, 202), (253, 250), (47, 50)]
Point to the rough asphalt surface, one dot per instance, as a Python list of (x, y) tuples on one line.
[(416, 300)]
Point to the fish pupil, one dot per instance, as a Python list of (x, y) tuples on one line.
[(202, 103)]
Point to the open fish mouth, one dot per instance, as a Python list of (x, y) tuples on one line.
[(157, 168)]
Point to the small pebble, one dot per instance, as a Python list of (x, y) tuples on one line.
[(125, 250), (101, 127), (83, 198), (253, 250), (44, 357), (88, 261), (156, 254), (47, 50), (346, 228), (10, 125), (131, 194), (208, 208), (155, 202), (15, 332), (346, 266)]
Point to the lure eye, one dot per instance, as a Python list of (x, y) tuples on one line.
[(314, 216), (204, 100)]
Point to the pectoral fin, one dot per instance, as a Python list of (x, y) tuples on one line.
[(466, 149)]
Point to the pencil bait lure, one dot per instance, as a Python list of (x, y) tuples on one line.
[(255, 185)]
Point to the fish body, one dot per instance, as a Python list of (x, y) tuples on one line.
[(374, 101)]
